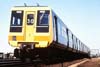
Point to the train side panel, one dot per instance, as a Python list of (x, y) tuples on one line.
[(60, 31)]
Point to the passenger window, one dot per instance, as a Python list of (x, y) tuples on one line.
[(59, 29), (30, 19), (70, 39), (64, 32)]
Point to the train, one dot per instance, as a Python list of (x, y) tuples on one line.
[(37, 32)]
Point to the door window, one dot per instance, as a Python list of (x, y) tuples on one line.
[(30, 19)]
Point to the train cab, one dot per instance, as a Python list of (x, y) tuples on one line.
[(30, 26)]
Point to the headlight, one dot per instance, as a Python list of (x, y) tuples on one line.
[(14, 38)]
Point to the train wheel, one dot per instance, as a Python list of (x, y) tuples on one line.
[(22, 55), (16, 53), (25, 56)]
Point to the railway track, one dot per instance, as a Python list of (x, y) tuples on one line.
[(36, 63), (18, 63), (12, 63), (6, 63)]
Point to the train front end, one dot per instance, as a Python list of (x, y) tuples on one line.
[(30, 29)]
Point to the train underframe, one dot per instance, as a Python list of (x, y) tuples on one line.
[(49, 54)]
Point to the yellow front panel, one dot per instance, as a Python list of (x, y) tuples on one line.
[(41, 38), (18, 38), (29, 34), (9, 38)]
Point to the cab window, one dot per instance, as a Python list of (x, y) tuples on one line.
[(16, 18), (16, 21), (43, 18), (43, 21)]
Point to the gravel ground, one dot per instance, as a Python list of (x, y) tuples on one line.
[(64, 64), (94, 62)]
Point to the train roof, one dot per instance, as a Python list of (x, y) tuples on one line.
[(30, 7)]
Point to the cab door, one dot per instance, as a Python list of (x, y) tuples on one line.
[(30, 20)]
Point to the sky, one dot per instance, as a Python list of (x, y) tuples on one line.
[(82, 17)]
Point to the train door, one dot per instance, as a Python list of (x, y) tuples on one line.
[(30, 19)]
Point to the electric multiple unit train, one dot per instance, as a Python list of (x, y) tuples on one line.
[(37, 32)]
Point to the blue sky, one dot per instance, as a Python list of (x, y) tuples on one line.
[(81, 17)]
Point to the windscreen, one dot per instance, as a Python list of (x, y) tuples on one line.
[(43, 18), (16, 18), (43, 21), (16, 21)]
